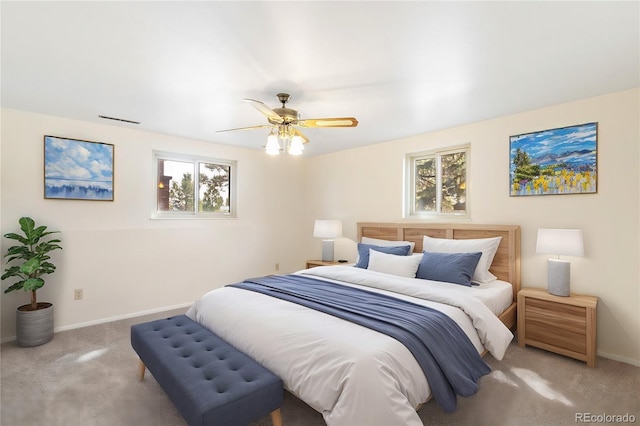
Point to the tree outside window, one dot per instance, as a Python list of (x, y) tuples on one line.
[(214, 188), (437, 183), (181, 191)]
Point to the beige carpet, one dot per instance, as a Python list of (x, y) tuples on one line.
[(88, 377)]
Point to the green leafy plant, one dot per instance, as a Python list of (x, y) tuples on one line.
[(33, 257)]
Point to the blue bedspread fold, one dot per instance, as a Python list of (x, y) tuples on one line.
[(447, 357)]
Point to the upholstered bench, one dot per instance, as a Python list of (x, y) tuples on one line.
[(208, 380)]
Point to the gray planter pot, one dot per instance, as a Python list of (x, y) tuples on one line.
[(34, 328)]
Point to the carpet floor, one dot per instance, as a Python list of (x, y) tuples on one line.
[(89, 376)]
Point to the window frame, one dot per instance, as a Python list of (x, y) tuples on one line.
[(196, 160), (409, 204)]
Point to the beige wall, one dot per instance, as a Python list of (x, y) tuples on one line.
[(365, 184), (125, 262), (128, 264)]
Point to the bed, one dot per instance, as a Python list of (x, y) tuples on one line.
[(506, 262), (352, 374)]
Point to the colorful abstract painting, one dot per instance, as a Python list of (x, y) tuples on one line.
[(555, 161), (78, 170)]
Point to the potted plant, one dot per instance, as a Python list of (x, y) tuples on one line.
[(34, 321)]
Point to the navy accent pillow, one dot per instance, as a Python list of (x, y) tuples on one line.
[(454, 268), (363, 252)]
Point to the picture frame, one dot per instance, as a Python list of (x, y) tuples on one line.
[(557, 161), (76, 169)]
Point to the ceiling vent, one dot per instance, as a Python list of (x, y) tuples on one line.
[(119, 119)]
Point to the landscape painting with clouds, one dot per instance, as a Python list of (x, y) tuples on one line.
[(77, 170), (556, 161)]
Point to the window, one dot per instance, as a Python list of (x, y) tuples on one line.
[(436, 183), (190, 186)]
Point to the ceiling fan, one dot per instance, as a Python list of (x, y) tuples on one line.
[(283, 122)]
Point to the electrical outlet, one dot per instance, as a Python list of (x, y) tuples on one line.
[(277, 267), (77, 294)]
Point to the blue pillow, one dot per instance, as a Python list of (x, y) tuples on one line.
[(454, 268), (363, 252)]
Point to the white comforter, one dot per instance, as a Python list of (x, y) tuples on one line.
[(352, 375)]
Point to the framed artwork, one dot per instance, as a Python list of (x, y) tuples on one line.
[(555, 161), (78, 170)]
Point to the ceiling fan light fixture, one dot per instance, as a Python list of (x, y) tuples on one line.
[(273, 146), (284, 121), (296, 146)]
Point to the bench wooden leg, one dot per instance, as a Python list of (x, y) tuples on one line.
[(142, 370), (276, 417)]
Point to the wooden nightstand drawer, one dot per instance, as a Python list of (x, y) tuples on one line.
[(565, 325), (314, 263), (556, 324), (555, 334)]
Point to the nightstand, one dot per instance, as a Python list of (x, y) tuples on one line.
[(564, 325), (314, 263)]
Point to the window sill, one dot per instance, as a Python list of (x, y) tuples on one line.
[(191, 217), (440, 216)]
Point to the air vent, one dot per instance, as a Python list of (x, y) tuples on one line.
[(119, 119)]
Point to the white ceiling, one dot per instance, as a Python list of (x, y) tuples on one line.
[(401, 68)]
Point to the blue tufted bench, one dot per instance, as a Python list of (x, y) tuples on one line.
[(208, 380)]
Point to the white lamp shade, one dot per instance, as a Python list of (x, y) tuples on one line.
[(567, 242), (296, 146), (327, 229), (273, 147)]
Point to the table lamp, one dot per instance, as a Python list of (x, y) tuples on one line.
[(567, 242), (327, 229)]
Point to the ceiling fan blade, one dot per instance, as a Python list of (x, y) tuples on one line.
[(245, 128), (299, 133), (266, 110), (328, 122)]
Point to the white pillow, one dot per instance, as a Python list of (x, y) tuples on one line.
[(488, 247), (387, 243), (404, 266)]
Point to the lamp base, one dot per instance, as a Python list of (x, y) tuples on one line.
[(327, 250), (558, 274)]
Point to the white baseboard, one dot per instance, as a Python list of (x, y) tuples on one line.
[(111, 319), (626, 360), (186, 305)]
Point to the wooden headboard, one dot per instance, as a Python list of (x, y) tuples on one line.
[(506, 263)]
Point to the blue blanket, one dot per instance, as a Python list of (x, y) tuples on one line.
[(447, 357)]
